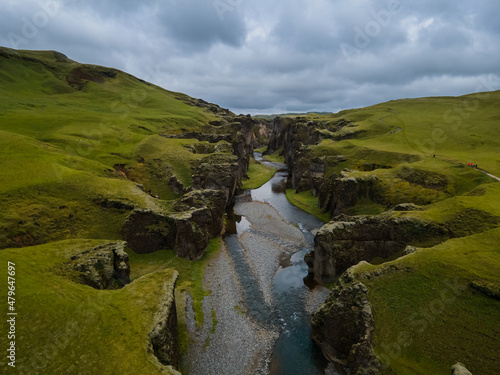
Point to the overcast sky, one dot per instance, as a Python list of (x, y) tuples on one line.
[(274, 56)]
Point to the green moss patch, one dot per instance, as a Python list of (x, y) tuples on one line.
[(427, 315), (258, 175), (307, 202)]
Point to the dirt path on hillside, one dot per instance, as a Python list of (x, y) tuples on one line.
[(489, 174), (383, 122)]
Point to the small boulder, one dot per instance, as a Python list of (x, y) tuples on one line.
[(459, 369), (410, 250)]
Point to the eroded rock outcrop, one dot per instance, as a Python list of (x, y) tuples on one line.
[(214, 108), (219, 172), (336, 194), (198, 218), (164, 342), (230, 135), (102, 267), (291, 136), (147, 231), (345, 242), (343, 327)]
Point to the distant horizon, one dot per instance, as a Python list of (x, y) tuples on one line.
[(259, 57), (484, 85)]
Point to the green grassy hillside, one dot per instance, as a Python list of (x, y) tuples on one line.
[(458, 130), (439, 305), (80, 146), (74, 135)]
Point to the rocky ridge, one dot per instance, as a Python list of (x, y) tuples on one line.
[(346, 241), (197, 216)]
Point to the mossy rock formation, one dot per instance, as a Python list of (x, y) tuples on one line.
[(343, 327), (345, 242), (102, 267)]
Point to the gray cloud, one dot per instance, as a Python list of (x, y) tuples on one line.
[(197, 23), (259, 56)]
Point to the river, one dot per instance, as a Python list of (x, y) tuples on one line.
[(265, 244)]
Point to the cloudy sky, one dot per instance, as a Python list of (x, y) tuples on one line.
[(274, 56)]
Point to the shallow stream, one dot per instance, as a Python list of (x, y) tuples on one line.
[(291, 300)]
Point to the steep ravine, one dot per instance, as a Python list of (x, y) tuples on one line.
[(259, 305), (198, 214)]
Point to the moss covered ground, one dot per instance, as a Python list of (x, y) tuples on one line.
[(68, 328), (65, 146), (276, 157), (307, 202), (258, 175)]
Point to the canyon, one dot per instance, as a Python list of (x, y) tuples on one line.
[(135, 236)]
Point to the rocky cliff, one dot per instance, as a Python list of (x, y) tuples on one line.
[(337, 193), (163, 337), (343, 327), (346, 241), (197, 216), (308, 168), (290, 134)]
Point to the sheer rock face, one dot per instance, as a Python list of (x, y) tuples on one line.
[(147, 231), (210, 206), (343, 243), (218, 172), (102, 267), (164, 342), (290, 136), (338, 193), (343, 327), (198, 215), (199, 218)]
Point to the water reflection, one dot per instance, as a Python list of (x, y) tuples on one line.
[(236, 224), (279, 186)]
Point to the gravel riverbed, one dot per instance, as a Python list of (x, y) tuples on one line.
[(230, 341), (237, 344)]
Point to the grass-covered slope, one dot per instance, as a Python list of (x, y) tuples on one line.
[(456, 129), (441, 304), (72, 136), (67, 328), (80, 147)]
